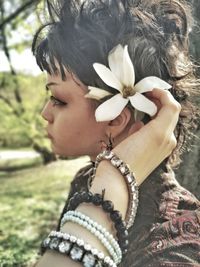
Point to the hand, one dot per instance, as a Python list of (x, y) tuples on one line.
[(143, 150), (146, 148)]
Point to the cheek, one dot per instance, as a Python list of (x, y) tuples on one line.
[(96, 131), (89, 132), (79, 127)]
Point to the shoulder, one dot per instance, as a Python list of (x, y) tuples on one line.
[(78, 184), (80, 181), (167, 227)]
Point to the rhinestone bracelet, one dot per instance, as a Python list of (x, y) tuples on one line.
[(129, 179), (108, 207), (100, 232), (76, 249)]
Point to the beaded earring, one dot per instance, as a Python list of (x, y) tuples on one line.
[(104, 147), (107, 146)]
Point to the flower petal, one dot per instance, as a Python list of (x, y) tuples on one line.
[(128, 69), (141, 103), (115, 59), (107, 76), (96, 93), (111, 108), (151, 82)]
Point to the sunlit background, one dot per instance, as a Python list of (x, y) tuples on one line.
[(33, 182), (22, 62)]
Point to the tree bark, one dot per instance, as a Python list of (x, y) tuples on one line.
[(189, 172), (17, 12)]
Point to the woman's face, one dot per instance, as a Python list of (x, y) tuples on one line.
[(71, 127)]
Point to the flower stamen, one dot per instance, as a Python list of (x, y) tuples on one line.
[(128, 91)]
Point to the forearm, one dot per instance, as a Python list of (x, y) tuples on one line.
[(106, 177)]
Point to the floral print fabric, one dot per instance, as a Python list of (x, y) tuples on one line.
[(166, 232)]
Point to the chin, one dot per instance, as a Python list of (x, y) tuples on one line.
[(71, 152), (58, 151), (66, 153)]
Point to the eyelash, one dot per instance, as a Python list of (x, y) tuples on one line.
[(56, 102)]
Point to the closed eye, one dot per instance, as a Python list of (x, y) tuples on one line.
[(56, 102)]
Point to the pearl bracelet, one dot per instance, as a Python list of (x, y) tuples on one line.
[(100, 232), (76, 249), (129, 179), (97, 226), (108, 207)]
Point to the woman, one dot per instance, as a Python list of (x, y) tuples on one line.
[(93, 107)]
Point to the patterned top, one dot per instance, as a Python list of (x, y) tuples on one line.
[(166, 231)]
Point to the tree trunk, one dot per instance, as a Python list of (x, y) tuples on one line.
[(189, 172)]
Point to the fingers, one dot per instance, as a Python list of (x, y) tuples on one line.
[(156, 101), (169, 110), (161, 127)]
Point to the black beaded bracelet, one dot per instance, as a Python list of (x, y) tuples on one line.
[(108, 207)]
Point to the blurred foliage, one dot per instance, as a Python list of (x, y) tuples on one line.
[(21, 97), (31, 202), (20, 15), (21, 124)]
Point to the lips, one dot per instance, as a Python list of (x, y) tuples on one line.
[(49, 135)]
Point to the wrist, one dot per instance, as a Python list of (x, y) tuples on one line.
[(137, 157), (109, 178)]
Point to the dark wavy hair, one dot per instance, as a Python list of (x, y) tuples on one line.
[(81, 32)]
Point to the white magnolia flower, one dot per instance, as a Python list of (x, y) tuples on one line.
[(121, 76)]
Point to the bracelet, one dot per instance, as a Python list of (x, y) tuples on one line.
[(102, 239), (129, 179), (76, 249), (96, 225), (100, 232), (108, 207)]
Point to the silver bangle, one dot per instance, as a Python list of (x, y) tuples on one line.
[(129, 179)]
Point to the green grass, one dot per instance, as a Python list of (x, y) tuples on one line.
[(13, 148), (18, 164), (14, 164), (30, 205)]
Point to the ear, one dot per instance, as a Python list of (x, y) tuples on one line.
[(119, 124)]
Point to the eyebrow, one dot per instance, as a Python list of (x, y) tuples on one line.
[(50, 84)]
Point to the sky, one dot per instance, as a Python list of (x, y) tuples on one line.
[(22, 62)]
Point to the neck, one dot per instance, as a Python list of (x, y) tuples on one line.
[(93, 158)]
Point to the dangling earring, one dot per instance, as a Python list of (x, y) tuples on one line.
[(110, 143), (109, 146), (104, 146)]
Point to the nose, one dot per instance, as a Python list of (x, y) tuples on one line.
[(46, 112)]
